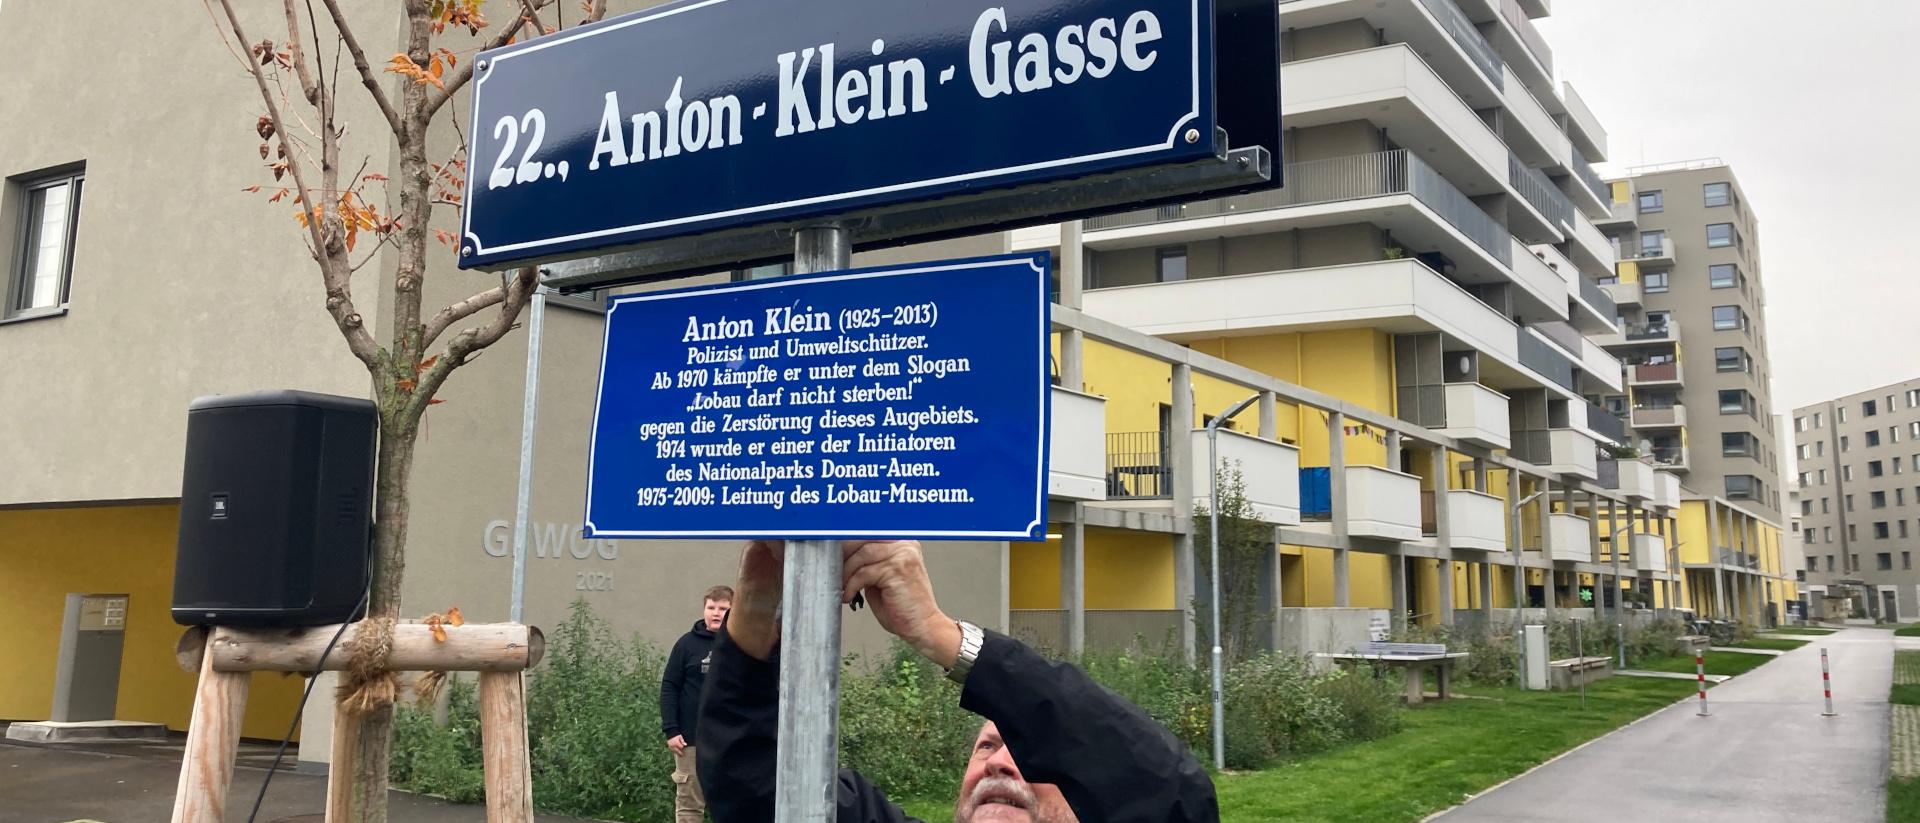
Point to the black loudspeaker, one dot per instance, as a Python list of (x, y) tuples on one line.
[(276, 508)]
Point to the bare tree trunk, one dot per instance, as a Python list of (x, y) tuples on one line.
[(374, 748)]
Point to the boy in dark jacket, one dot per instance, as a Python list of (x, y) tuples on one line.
[(680, 687)]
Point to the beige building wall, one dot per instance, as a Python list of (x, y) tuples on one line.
[(1690, 299), (1843, 504)]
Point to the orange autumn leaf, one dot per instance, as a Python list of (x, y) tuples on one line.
[(454, 618), (433, 625)]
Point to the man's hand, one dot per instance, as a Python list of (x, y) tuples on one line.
[(678, 743), (893, 576), (756, 600)]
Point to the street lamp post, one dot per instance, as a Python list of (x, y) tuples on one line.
[(1213, 576), (1519, 580)]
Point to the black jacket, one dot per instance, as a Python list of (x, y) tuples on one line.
[(1113, 763), (680, 683)]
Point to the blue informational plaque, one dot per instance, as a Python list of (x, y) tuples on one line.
[(703, 115), (907, 401)]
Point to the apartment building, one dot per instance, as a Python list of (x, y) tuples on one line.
[(1418, 310), (1859, 501), (1692, 303)]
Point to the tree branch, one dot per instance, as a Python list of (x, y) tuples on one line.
[(339, 301), (458, 79), (445, 318), (539, 29), (367, 77), (514, 294), (297, 56)]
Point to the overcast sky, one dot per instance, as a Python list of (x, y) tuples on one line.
[(1816, 106)]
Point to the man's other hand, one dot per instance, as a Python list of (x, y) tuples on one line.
[(892, 575), (678, 743), (756, 600)]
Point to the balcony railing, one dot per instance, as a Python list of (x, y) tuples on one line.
[(1542, 357), (1583, 171), (1463, 32), (1598, 298), (1657, 373), (1137, 466), (1673, 456), (1339, 179), (1606, 424), (1649, 331), (1664, 251), (1535, 188), (1665, 417), (1529, 36)]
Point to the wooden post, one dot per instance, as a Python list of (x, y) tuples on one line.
[(346, 730), (213, 738), (503, 746)]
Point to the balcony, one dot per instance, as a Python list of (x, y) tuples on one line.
[(1139, 466), (1649, 553), (1393, 189), (1269, 474), (1436, 29), (1591, 250), (1672, 458), (1658, 374), (1620, 217), (1530, 130), (1572, 538), (1544, 358), (1601, 370), (1605, 424), (1636, 477), (1524, 49), (1539, 281), (1671, 417), (1396, 90), (1589, 139), (1623, 293), (1077, 460), (1667, 489), (1382, 503), (1550, 208), (1642, 334), (1392, 296), (1587, 189), (1651, 256), (1574, 453), (1477, 414), (1478, 521), (1596, 311)]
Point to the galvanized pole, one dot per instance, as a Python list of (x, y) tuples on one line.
[(808, 748), (529, 416), (1213, 574)]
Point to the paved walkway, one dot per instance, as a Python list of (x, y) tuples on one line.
[(51, 784), (1765, 755)]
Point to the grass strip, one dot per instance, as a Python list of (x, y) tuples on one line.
[(1770, 644), (1806, 630)]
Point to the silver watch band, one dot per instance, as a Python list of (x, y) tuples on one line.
[(971, 639)]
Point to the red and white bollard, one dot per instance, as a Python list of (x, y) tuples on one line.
[(1700, 671), (1826, 683)]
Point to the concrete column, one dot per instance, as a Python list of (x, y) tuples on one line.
[(1397, 577), (1613, 545), (1714, 557), (1279, 589), (1480, 475), (1443, 529), (1180, 455), (1072, 277), (1337, 493), (1514, 541), (1486, 593), (1758, 613), (1269, 415), (1550, 577), (1073, 579)]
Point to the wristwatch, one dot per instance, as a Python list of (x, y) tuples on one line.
[(971, 639)]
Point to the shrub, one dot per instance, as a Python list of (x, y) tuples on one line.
[(593, 716), (901, 726), (1171, 692), (440, 760)]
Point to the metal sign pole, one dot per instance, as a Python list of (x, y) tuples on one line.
[(808, 748), (529, 416)]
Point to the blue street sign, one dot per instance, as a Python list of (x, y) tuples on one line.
[(705, 115), (909, 401)]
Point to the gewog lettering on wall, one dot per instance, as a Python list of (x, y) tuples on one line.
[(555, 541), (638, 128)]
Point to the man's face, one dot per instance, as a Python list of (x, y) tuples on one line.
[(994, 792), (716, 613)]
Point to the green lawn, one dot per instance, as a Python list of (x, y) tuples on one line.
[(1908, 631), (1447, 752), (1906, 680), (1807, 630), (1903, 800), (1770, 644), (1728, 663)]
